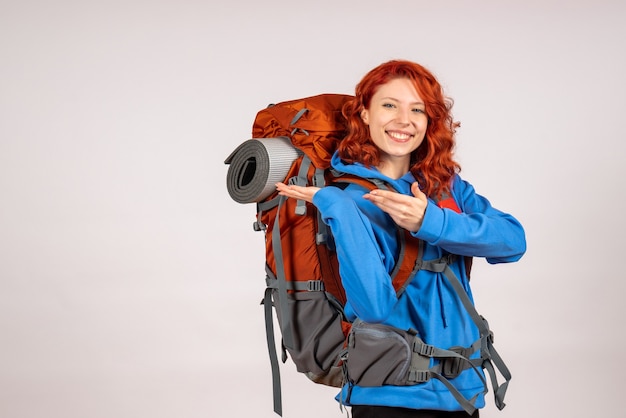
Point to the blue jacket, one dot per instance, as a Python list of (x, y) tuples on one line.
[(367, 249)]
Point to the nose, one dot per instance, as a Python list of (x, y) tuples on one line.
[(404, 115)]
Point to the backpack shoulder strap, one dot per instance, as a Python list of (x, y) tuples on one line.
[(410, 253), (411, 250)]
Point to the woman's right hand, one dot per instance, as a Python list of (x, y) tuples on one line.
[(305, 193), (406, 211)]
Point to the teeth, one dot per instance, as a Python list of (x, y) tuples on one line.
[(399, 136)]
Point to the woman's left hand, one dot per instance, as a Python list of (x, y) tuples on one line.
[(305, 193), (406, 211)]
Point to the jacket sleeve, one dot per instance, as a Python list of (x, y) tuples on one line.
[(363, 261), (479, 231)]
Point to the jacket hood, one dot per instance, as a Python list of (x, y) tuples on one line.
[(402, 185)]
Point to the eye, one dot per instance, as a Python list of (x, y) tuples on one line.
[(419, 110), (388, 105)]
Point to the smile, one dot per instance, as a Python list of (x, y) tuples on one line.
[(399, 136)]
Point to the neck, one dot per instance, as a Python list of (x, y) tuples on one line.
[(393, 169)]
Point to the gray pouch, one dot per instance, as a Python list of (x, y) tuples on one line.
[(380, 355), (317, 335)]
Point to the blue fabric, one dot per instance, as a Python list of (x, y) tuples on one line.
[(367, 249)]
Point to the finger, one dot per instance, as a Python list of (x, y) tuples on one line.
[(379, 196), (387, 199), (285, 190), (415, 189), (281, 186)]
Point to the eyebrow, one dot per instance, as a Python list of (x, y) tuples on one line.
[(396, 100)]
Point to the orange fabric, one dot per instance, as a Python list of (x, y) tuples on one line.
[(316, 132)]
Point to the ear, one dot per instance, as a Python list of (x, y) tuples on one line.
[(365, 116)]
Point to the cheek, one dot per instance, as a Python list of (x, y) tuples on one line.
[(423, 124)]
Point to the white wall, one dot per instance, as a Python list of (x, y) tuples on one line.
[(129, 280)]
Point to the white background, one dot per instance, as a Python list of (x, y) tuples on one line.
[(130, 282)]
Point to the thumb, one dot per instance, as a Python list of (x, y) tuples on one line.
[(415, 189)]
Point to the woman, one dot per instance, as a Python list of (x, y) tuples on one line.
[(401, 131)]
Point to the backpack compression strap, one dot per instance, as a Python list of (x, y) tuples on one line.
[(271, 347), (279, 282), (488, 353)]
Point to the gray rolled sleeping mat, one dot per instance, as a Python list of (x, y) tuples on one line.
[(256, 166)]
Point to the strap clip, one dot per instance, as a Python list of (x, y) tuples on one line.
[(315, 286), (423, 349), (419, 376)]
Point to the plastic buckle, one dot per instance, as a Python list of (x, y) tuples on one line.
[(448, 259), (300, 209), (419, 376), (451, 367), (315, 286), (423, 349), (321, 238)]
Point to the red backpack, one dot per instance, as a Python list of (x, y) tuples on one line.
[(293, 142)]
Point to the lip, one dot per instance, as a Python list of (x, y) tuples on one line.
[(399, 136)]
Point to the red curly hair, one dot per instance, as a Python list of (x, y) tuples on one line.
[(432, 162)]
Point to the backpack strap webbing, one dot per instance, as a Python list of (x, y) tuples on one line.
[(271, 348), (420, 373), (489, 357), (280, 285), (279, 282)]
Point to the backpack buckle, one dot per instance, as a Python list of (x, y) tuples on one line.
[(259, 226), (451, 367), (419, 376), (449, 259), (423, 349), (315, 286)]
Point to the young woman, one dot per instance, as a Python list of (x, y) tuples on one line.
[(401, 132)]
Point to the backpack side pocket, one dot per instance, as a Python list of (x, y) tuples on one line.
[(378, 355), (318, 336)]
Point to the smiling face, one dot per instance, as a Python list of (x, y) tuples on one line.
[(397, 123)]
